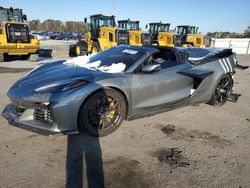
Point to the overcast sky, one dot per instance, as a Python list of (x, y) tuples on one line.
[(209, 15)]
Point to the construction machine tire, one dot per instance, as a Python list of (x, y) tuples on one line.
[(95, 48), (45, 53), (72, 50), (25, 57), (81, 48), (1, 57), (33, 57)]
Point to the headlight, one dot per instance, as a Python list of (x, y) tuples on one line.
[(189, 37), (54, 88)]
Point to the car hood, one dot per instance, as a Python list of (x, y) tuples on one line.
[(58, 72), (51, 74)]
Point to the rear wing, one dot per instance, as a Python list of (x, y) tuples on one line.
[(201, 56), (207, 55)]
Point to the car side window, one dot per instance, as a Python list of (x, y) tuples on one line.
[(167, 59)]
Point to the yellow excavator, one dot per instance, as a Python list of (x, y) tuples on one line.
[(162, 36), (190, 36), (15, 39), (136, 37), (103, 34)]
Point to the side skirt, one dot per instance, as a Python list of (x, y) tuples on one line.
[(150, 111)]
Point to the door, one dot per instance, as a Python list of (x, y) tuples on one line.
[(163, 87)]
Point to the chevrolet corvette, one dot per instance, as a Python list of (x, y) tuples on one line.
[(96, 93)]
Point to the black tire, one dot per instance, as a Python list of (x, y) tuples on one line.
[(96, 48), (222, 91), (102, 113), (72, 50), (81, 48), (1, 57), (25, 57)]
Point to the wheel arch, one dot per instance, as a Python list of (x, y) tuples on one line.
[(101, 89), (124, 96)]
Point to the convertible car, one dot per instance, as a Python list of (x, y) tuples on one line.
[(96, 93)]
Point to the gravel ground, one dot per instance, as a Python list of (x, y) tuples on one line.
[(60, 48), (212, 149)]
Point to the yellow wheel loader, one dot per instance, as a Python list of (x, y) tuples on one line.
[(162, 36), (15, 39), (136, 37), (190, 36), (102, 35)]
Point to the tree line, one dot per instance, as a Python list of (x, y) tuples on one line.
[(220, 34), (51, 25)]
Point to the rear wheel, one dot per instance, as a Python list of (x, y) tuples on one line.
[(222, 91), (102, 113)]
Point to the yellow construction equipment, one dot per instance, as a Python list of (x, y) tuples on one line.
[(162, 36), (136, 37), (102, 35), (190, 36), (15, 39)]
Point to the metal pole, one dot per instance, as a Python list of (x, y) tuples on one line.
[(248, 47), (230, 44)]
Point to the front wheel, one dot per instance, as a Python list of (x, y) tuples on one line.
[(95, 48), (81, 48), (102, 113), (223, 90)]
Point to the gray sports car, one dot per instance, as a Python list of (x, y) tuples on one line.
[(96, 93)]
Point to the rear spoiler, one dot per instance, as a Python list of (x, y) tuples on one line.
[(212, 56)]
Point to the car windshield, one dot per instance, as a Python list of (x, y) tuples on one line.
[(114, 60), (125, 56)]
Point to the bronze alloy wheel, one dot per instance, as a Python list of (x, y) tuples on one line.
[(103, 112)]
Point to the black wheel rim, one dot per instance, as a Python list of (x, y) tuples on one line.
[(104, 113), (223, 90)]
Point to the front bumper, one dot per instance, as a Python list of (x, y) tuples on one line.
[(25, 120)]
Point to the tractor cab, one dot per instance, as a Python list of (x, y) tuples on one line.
[(155, 28), (98, 21), (129, 24), (190, 36), (187, 29), (10, 14), (136, 37), (162, 36)]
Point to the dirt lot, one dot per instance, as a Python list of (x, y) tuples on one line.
[(212, 149)]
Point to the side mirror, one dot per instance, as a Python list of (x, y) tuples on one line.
[(146, 26), (151, 68), (25, 17), (85, 20)]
